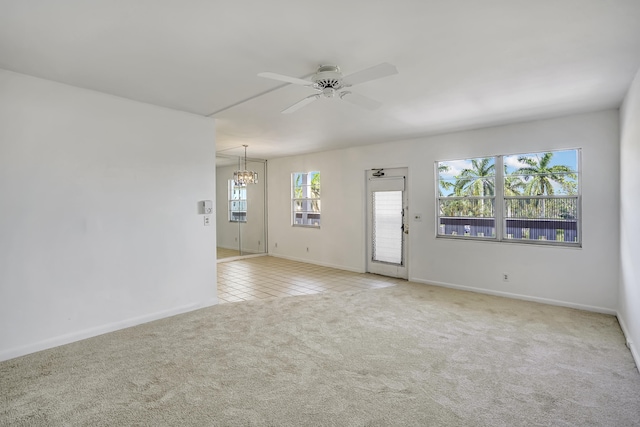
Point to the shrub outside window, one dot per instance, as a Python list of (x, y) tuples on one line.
[(305, 199), (538, 198)]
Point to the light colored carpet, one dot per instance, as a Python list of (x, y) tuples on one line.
[(410, 355)]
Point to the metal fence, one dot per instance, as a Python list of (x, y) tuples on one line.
[(553, 218), (543, 207)]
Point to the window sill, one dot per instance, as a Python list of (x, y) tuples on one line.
[(541, 243)]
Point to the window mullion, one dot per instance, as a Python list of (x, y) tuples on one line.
[(500, 219)]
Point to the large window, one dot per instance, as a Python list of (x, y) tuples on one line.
[(305, 198), (237, 202), (533, 198), (466, 197)]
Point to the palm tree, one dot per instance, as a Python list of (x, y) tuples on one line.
[(513, 186), (442, 168), (539, 177), (477, 181), (315, 191)]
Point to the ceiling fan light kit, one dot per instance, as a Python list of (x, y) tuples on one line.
[(330, 83)]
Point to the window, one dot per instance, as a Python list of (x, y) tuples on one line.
[(531, 197), (237, 202), (305, 198), (541, 196), (466, 197)]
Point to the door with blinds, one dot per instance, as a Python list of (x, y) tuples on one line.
[(387, 222)]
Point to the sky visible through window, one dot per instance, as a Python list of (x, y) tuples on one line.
[(449, 170)]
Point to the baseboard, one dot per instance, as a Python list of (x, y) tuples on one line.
[(99, 330), (630, 344), (518, 296), (244, 250), (323, 264), (235, 258)]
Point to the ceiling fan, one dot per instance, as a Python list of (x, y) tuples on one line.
[(330, 83)]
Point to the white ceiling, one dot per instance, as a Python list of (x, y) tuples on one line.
[(462, 63)]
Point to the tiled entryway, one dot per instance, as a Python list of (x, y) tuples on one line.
[(226, 253), (268, 277)]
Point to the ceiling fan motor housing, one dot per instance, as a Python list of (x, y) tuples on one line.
[(330, 83), (328, 77)]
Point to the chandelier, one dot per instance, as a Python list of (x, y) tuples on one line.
[(244, 177)]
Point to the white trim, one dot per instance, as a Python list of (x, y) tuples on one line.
[(630, 344), (518, 296), (99, 330), (500, 216), (235, 258)]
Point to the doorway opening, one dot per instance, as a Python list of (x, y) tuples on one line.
[(387, 222)]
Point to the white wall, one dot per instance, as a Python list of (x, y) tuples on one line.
[(629, 305), (99, 223), (585, 277)]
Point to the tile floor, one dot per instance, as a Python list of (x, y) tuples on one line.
[(226, 253), (268, 277)]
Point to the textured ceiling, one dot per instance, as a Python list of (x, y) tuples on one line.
[(462, 64)]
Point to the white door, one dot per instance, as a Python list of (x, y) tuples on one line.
[(387, 222)]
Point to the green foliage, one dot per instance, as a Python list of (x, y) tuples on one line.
[(539, 176), (479, 180), (315, 186), (513, 184), (444, 184), (303, 189), (473, 186)]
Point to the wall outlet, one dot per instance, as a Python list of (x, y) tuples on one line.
[(275, 245), (505, 277), (207, 220)]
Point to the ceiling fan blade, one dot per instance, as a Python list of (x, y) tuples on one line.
[(283, 78), (298, 105), (360, 100), (381, 70)]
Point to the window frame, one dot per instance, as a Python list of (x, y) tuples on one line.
[(230, 200), (501, 202), (309, 197)]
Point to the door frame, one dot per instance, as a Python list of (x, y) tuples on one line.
[(377, 267)]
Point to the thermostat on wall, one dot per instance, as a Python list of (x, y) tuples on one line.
[(207, 207)]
